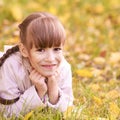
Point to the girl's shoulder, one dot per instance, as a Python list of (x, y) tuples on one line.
[(14, 67), (14, 60)]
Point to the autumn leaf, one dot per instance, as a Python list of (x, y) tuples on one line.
[(84, 73), (114, 58), (92, 48), (33, 5), (99, 60), (27, 116), (114, 3), (99, 8), (68, 112), (94, 87), (16, 12), (97, 100), (113, 94), (52, 10), (114, 110), (84, 57)]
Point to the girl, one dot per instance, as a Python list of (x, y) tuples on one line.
[(34, 72)]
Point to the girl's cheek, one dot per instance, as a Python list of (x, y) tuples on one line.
[(60, 56)]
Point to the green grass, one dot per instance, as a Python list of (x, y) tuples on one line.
[(93, 32)]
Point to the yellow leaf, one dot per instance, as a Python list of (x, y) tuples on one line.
[(97, 100), (63, 2), (114, 110), (84, 73), (33, 5), (114, 58), (95, 87), (113, 82), (27, 116), (99, 9), (16, 12), (99, 60), (53, 10), (113, 94), (114, 3), (64, 18), (68, 112), (84, 57)]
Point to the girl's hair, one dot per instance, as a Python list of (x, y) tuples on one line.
[(40, 29), (8, 53)]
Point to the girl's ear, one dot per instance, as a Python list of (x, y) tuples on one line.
[(23, 50)]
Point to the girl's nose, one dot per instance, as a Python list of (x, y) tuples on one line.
[(50, 56)]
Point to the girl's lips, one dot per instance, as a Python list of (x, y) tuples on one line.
[(49, 66)]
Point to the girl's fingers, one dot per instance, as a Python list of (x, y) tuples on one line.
[(35, 77), (39, 82)]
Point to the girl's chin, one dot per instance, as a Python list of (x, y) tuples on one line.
[(48, 74)]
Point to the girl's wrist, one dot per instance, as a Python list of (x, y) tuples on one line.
[(40, 93), (53, 92), (53, 97)]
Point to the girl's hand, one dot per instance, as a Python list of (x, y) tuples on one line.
[(53, 88), (39, 82)]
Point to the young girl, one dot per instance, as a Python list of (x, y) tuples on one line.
[(34, 72)]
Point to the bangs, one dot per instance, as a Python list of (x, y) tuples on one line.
[(45, 32)]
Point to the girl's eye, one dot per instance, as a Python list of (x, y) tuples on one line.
[(41, 50), (57, 49)]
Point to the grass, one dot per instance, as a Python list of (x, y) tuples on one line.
[(92, 48)]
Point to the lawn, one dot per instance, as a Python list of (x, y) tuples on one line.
[(92, 47)]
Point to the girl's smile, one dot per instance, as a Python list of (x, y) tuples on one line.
[(49, 67)]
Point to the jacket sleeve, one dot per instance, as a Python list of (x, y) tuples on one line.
[(65, 90), (9, 89)]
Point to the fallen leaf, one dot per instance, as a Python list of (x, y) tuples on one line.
[(99, 60), (27, 116), (84, 73), (98, 101), (16, 12), (114, 58), (114, 110), (113, 94), (68, 112)]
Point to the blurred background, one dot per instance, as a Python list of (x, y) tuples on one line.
[(92, 45), (91, 24)]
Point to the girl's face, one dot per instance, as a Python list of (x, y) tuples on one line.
[(46, 60)]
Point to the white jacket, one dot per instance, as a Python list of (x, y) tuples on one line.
[(15, 82)]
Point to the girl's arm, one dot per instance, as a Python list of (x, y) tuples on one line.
[(13, 84), (53, 92), (39, 82), (64, 91)]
